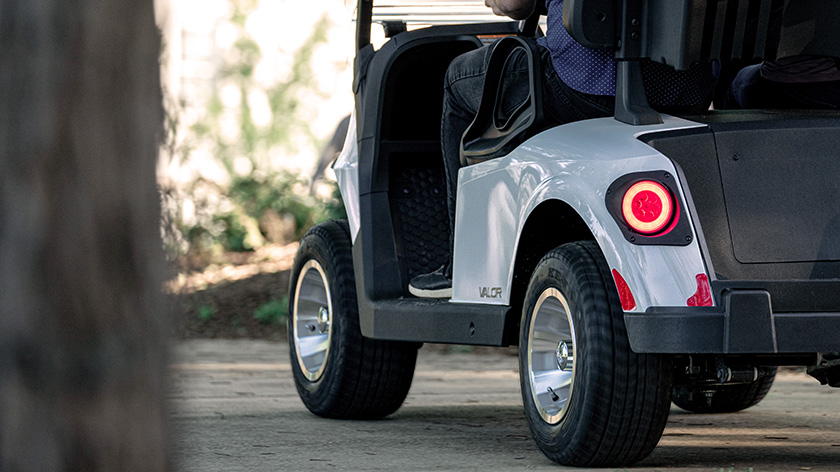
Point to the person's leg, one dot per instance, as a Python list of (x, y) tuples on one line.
[(462, 96), (750, 90), (742, 91), (463, 87)]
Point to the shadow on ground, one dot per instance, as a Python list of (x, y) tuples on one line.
[(226, 310)]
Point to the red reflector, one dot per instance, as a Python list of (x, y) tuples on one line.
[(647, 207), (703, 296), (624, 293)]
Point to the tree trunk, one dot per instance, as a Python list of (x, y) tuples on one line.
[(82, 351)]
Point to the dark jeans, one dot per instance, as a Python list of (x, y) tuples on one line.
[(750, 90), (462, 95)]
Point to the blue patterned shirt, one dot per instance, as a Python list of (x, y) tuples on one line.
[(592, 71), (586, 70)]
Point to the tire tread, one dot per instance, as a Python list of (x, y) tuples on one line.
[(367, 378), (626, 428)]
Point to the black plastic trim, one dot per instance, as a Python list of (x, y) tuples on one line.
[(439, 321), (431, 320), (744, 324)]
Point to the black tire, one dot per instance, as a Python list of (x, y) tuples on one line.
[(618, 401), (354, 377), (725, 398)]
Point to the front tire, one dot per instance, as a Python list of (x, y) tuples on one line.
[(589, 400), (338, 372)]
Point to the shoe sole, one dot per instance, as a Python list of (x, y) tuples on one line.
[(440, 293)]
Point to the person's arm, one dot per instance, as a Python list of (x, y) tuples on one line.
[(516, 9)]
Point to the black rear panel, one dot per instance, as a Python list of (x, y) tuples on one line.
[(765, 187), (781, 185)]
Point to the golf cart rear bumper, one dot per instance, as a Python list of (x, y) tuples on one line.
[(744, 323)]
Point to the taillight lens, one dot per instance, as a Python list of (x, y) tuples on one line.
[(648, 207)]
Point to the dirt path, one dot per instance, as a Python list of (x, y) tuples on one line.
[(234, 407)]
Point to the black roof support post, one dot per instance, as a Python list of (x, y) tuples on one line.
[(364, 18), (631, 105)]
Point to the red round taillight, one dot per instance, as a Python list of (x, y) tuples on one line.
[(648, 207)]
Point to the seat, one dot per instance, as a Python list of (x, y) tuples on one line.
[(492, 134)]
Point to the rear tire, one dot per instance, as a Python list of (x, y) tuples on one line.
[(338, 372), (725, 398), (589, 400)]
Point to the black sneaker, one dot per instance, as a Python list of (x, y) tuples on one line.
[(437, 284)]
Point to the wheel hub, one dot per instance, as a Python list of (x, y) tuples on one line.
[(311, 320), (551, 355), (565, 359), (323, 320)]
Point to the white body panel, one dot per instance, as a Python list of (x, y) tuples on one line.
[(346, 167), (574, 163)]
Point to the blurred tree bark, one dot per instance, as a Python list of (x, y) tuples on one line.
[(82, 354)]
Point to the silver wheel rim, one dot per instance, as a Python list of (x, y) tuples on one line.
[(312, 320), (552, 354)]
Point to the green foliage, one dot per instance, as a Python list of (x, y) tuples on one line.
[(207, 313), (234, 233), (257, 143), (283, 193), (234, 213), (240, 222), (273, 312)]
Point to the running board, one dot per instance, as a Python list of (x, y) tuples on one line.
[(438, 321), (393, 315)]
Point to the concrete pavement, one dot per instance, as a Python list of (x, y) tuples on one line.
[(234, 408)]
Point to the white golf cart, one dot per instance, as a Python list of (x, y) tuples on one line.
[(635, 260)]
